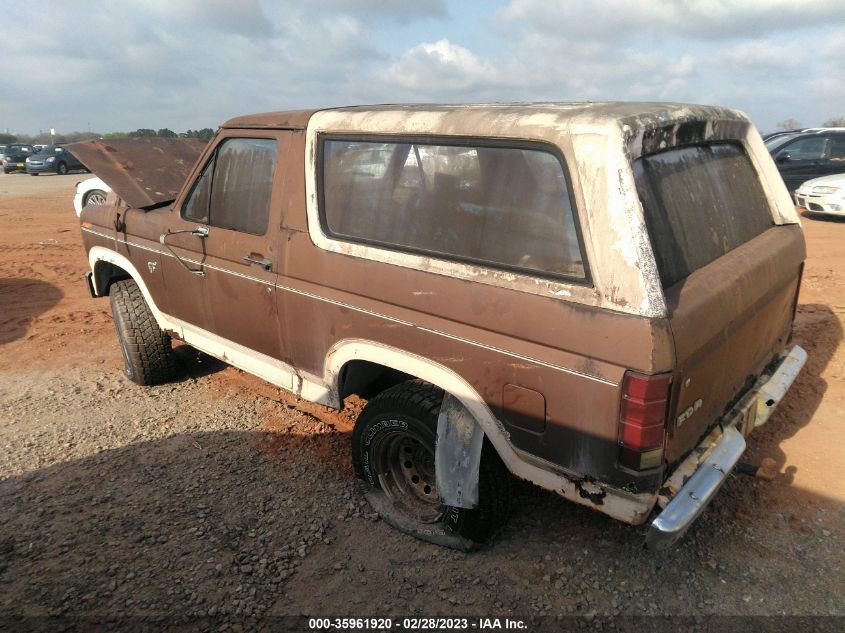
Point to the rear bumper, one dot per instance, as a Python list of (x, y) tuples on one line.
[(694, 484)]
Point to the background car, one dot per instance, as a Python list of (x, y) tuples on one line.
[(15, 155), (803, 156), (823, 195), (53, 159), (773, 135), (90, 191)]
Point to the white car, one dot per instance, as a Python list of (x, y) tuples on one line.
[(823, 195), (90, 191)]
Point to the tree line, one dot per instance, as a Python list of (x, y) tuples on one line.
[(43, 138), (793, 124)]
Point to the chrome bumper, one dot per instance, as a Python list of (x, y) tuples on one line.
[(698, 478)]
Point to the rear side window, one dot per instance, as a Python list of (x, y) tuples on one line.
[(700, 202), (837, 148), (233, 191), (508, 207)]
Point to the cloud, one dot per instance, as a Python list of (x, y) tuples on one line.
[(403, 11), (244, 17), (175, 64), (540, 68), (704, 19), (440, 67), (195, 63)]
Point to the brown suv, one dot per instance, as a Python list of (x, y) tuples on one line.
[(596, 297)]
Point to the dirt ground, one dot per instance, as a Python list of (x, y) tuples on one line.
[(218, 496)]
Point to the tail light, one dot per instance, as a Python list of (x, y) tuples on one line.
[(642, 423)]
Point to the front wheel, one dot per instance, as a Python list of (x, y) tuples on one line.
[(393, 446), (95, 197), (147, 350), (61, 169)]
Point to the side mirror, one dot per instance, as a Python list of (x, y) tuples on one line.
[(783, 157)]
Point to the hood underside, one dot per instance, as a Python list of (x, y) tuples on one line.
[(144, 172)]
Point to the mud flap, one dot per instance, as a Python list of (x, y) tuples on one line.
[(457, 454)]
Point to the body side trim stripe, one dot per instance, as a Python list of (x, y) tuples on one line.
[(377, 314)]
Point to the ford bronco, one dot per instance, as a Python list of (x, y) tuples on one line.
[(594, 297)]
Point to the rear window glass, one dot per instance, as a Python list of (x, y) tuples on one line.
[(507, 207), (700, 202)]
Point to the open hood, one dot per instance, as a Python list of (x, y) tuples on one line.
[(144, 172)]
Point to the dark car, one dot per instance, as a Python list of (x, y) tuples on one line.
[(15, 155), (806, 155), (53, 159), (769, 136)]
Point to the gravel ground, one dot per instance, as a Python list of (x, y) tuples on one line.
[(217, 498)]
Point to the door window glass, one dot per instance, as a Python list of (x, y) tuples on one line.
[(233, 191), (806, 149), (196, 208)]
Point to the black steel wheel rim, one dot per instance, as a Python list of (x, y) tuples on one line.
[(404, 462)]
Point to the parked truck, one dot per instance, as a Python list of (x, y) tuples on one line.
[(594, 297)]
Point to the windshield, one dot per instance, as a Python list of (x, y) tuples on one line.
[(50, 149), (700, 203)]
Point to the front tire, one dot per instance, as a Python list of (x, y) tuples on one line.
[(61, 169), (147, 350), (393, 446), (94, 197)]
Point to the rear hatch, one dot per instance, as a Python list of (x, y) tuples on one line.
[(730, 277)]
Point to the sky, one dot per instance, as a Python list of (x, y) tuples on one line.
[(118, 66)]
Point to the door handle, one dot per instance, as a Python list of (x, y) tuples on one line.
[(253, 260)]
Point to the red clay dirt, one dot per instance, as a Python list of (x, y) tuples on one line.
[(48, 323), (48, 320)]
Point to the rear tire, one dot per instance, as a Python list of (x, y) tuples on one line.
[(393, 454), (147, 350), (61, 169)]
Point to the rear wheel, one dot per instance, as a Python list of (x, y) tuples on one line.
[(393, 447), (147, 350), (61, 169)]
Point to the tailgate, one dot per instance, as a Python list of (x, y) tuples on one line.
[(729, 320)]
